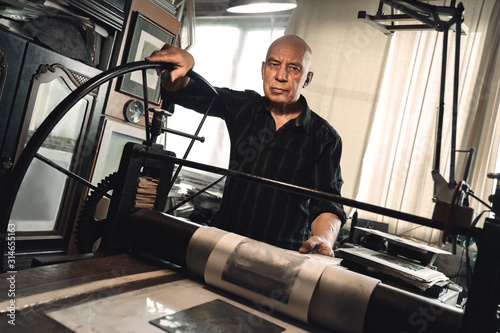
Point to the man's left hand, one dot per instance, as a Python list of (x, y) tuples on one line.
[(325, 229)]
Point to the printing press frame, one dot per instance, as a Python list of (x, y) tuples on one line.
[(384, 309)]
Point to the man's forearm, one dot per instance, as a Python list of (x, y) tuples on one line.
[(327, 226), (177, 85), (325, 229)]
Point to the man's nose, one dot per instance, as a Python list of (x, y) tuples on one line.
[(281, 74)]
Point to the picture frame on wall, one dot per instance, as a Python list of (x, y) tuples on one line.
[(114, 137), (147, 36)]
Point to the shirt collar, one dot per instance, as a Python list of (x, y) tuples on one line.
[(303, 120)]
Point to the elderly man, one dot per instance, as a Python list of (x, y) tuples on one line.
[(276, 136)]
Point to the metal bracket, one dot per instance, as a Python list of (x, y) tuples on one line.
[(416, 16)]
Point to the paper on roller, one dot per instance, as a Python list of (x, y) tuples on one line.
[(273, 278)]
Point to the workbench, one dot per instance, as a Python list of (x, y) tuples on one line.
[(119, 293)]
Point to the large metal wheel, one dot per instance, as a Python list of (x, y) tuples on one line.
[(9, 193)]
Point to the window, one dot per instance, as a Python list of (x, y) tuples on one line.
[(228, 53)]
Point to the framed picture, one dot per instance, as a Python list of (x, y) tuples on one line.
[(147, 37), (115, 136)]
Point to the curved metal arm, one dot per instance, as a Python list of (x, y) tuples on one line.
[(11, 189)]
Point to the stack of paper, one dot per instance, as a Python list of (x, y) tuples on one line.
[(401, 246), (409, 271)]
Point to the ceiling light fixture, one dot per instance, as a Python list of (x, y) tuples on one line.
[(260, 6)]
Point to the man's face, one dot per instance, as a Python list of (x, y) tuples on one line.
[(285, 72)]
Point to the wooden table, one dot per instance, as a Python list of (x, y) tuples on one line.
[(120, 293)]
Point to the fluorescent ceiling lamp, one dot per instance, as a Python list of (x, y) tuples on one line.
[(260, 6)]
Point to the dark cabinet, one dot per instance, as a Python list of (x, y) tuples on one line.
[(36, 80), (33, 79)]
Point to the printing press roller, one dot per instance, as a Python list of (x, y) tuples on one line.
[(290, 283)]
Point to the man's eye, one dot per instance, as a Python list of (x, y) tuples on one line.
[(294, 69)]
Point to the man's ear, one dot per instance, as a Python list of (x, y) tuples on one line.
[(262, 69), (308, 79)]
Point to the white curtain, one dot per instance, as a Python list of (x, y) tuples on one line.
[(349, 60), (383, 99)]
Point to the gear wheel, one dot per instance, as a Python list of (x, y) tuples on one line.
[(90, 230)]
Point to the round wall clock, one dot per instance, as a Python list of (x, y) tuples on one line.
[(133, 111)]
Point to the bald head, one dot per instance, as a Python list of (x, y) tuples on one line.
[(296, 43), (285, 72)]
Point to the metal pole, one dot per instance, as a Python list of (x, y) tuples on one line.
[(310, 193), (68, 173), (458, 34), (439, 130)]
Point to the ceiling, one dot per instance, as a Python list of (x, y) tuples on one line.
[(211, 8), (216, 8)]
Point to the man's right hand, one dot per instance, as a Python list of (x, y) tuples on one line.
[(182, 61)]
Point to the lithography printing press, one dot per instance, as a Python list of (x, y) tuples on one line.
[(156, 272)]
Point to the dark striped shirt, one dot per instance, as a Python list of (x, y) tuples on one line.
[(305, 152)]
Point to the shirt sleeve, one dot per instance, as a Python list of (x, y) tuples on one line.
[(227, 105), (193, 97), (327, 177)]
